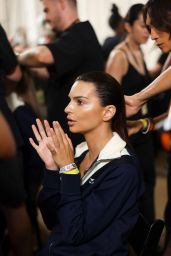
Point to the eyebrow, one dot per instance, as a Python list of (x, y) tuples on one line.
[(78, 97)]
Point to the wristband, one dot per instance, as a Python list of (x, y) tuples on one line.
[(144, 123), (73, 171), (148, 125), (67, 168)]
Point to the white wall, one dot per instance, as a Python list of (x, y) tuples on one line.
[(98, 12)]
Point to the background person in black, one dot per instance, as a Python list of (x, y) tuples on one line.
[(126, 64), (12, 191), (75, 51), (116, 22)]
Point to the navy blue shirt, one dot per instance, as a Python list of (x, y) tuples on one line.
[(95, 218)]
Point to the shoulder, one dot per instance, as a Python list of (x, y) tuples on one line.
[(117, 63), (122, 173), (119, 52), (125, 166)]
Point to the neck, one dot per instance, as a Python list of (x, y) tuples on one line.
[(94, 145), (132, 43), (69, 21)]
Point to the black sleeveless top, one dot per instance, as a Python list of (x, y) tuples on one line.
[(133, 82)]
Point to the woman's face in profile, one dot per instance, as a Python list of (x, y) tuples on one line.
[(161, 38), (84, 112), (139, 31)]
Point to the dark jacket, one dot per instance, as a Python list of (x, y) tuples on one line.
[(95, 218)]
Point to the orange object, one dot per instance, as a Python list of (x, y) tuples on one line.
[(165, 138)]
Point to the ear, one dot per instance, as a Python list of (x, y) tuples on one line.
[(128, 27), (109, 112)]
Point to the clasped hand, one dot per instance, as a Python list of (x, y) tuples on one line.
[(54, 146)]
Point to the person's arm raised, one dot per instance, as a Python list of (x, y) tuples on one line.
[(39, 56), (160, 84)]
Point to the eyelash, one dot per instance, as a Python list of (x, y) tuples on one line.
[(79, 102)]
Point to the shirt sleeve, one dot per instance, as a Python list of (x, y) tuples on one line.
[(8, 60), (67, 52), (49, 197)]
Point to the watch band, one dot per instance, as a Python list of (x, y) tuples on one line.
[(67, 168)]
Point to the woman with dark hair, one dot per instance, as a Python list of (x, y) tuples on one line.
[(157, 17), (90, 201), (126, 64), (116, 22)]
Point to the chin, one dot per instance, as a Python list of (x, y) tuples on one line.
[(144, 41), (73, 130), (165, 50)]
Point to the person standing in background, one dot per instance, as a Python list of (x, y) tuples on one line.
[(76, 50), (157, 17), (12, 190), (116, 22), (126, 64)]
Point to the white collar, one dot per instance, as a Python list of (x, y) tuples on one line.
[(113, 149), (14, 101)]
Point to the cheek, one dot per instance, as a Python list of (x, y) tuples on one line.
[(90, 117), (142, 35)]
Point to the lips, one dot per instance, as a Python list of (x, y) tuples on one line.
[(71, 121), (159, 45)]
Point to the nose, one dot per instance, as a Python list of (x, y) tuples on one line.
[(153, 34), (68, 108)]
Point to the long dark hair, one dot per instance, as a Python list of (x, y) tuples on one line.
[(133, 13), (109, 92), (159, 12)]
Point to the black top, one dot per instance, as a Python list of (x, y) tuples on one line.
[(132, 83), (8, 62), (75, 51)]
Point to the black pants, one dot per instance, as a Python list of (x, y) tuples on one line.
[(145, 155), (168, 205)]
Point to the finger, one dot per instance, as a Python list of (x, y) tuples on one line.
[(51, 148), (36, 133), (47, 128), (69, 142), (59, 131), (34, 145), (54, 137), (41, 128)]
